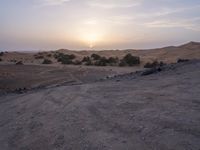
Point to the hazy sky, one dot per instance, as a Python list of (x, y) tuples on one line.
[(97, 24)]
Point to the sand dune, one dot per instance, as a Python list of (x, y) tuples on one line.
[(169, 54)]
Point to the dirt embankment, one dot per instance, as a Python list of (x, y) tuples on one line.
[(19, 78)]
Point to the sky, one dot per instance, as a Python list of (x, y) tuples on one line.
[(97, 24)]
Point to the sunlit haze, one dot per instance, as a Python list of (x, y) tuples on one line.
[(97, 24)]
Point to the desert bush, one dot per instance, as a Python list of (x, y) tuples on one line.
[(89, 63), (130, 60), (151, 65), (1, 59), (19, 63), (38, 56), (56, 55), (77, 62), (101, 62), (113, 60), (154, 64), (122, 63), (86, 59), (49, 55), (150, 71), (13, 60), (95, 56), (162, 63), (182, 60), (47, 61), (64, 58), (72, 56), (1, 53)]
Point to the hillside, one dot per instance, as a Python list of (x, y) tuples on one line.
[(169, 54)]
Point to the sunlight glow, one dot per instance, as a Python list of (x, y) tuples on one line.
[(91, 32), (91, 39)]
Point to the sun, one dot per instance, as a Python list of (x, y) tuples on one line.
[(91, 39), (91, 33)]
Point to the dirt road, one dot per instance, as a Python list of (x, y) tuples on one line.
[(155, 112)]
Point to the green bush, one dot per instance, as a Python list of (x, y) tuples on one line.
[(1, 53), (72, 56), (122, 63), (130, 60), (102, 62), (154, 64), (95, 56), (89, 63), (64, 58), (47, 61), (113, 60), (49, 55), (77, 62), (86, 59)]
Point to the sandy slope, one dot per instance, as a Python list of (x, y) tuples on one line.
[(156, 112), (169, 54)]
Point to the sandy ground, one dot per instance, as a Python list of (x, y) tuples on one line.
[(16, 77), (156, 112)]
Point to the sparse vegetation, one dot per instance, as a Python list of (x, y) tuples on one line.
[(97, 60), (151, 71), (49, 55), (101, 62), (182, 60), (77, 62), (13, 60), (1, 53), (47, 61), (122, 63), (19, 63), (64, 58), (86, 59), (130, 60), (154, 64), (89, 63), (113, 61), (94, 59), (39, 56), (95, 56)]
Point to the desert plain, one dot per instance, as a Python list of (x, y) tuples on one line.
[(79, 107)]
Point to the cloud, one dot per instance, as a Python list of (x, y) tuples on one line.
[(186, 24), (110, 4), (164, 12), (54, 2)]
